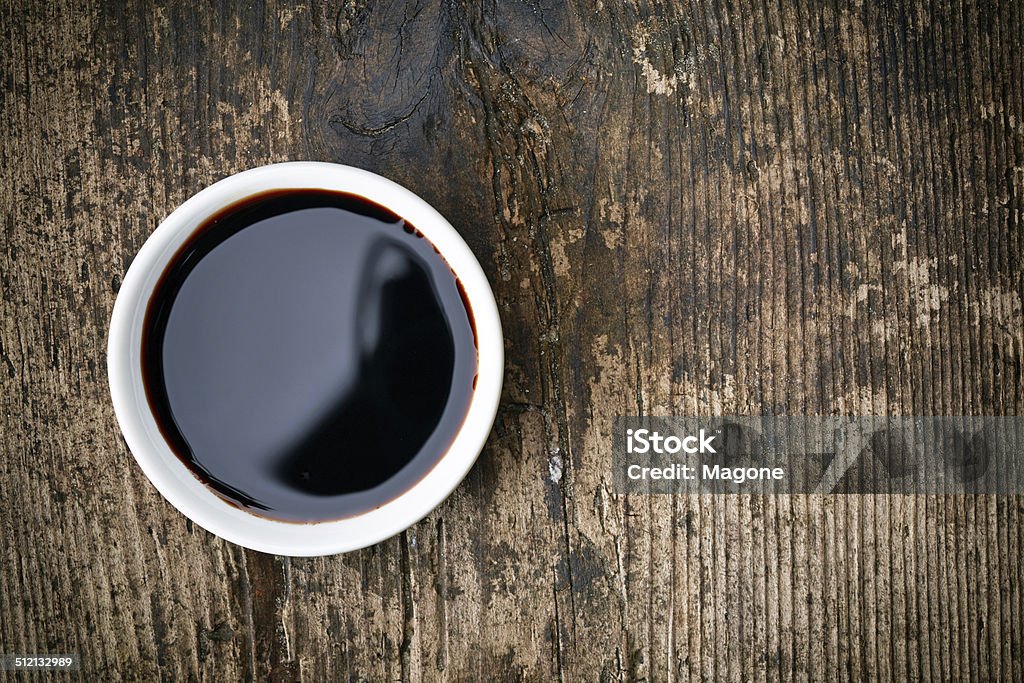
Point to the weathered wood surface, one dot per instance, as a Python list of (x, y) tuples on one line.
[(721, 207)]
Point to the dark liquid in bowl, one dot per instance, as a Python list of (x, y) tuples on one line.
[(308, 355)]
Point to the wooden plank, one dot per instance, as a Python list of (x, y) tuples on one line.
[(804, 207)]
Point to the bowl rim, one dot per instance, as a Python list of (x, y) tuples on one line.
[(179, 485)]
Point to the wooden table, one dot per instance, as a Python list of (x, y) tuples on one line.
[(684, 208)]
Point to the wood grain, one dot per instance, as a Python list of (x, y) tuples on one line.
[(747, 206)]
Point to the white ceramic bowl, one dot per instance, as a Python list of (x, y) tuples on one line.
[(177, 483)]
